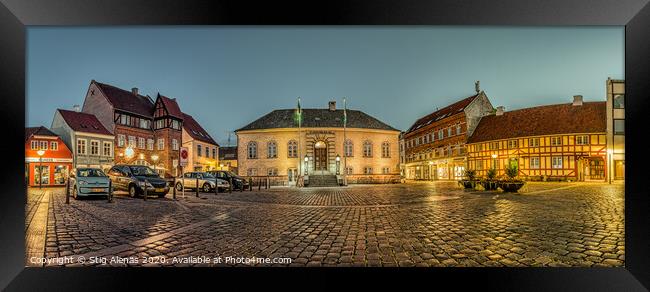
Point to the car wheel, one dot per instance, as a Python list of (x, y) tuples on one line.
[(132, 191), (179, 187), (206, 188)]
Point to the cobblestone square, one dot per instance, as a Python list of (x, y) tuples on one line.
[(419, 224)]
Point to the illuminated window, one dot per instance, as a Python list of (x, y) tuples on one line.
[(619, 127), (533, 142), (513, 144), (582, 140), (534, 162), (557, 161), (556, 141), (619, 101)]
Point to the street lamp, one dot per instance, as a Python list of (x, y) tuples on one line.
[(338, 164), (129, 152), (40, 167), (610, 166), (306, 163), (154, 158)]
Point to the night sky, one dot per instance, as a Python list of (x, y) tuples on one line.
[(227, 77)]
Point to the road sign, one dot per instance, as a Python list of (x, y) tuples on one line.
[(184, 155)]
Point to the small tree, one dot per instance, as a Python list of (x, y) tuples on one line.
[(512, 171), (491, 174), (470, 174)]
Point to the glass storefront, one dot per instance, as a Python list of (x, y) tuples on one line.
[(45, 178), (60, 172)]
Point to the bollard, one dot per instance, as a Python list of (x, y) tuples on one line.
[(250, 184), (109, 195), (197, 186), (174, 187), (67, 192), (146, 192), (259, 183), (231, 185), (216, 185), (268, 182)]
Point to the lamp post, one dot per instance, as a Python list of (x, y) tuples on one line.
[(430, 170), (155, 159), (338, 164), (610, 165), (40, 167)]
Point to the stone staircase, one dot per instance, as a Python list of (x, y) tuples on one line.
[(323, 181)]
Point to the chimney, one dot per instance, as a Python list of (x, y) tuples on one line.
[(500, 110), (477, 86), (134, 90), (76, 108), (332, 105), (577, 100)]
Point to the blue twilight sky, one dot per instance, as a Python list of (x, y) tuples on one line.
[(227, 77)]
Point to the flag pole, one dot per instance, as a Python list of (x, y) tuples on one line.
[(345, 122), (299, 115)]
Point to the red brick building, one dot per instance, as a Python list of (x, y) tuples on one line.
[(53, 166), (147, 132)]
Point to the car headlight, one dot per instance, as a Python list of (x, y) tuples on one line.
[(81, 183), (143, 184)]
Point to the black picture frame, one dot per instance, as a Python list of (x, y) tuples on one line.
[(15, 15)]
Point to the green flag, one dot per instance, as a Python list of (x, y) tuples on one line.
[(298, 114), (345, 113)]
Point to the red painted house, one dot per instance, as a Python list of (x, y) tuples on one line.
[(53, 166)]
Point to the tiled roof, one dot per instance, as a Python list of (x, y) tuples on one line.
[(440, 114), (40, 131), (228, 153), (172, 107), (126, 101), (590, 117), (194, 129), (316, 118), (83, 122)]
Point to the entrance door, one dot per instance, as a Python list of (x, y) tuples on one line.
[(619, 169), (596, 168), (292, 175), (320, 159)]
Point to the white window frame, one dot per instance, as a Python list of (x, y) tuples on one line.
[(34, 144), (584, 140), (292, 149), (557, 139), (348, 148), (367, 148), (141, 143), (121, 140), (132, 142), (94, 142), (271, 149), (199, 150), (534, 165), (385, 149), (110, 148), (555, 159), (175, 144), (251, 150), (150, 143), (533, 142), (161, 143), (43, 145), (54, 145), (84, 148)]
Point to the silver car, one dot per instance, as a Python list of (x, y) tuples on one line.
[(86, 182), (206, 182)]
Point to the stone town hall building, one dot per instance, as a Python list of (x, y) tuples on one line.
[(273, 145), (144, 129)]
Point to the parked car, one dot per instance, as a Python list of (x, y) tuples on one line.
[(135, 178), (88, 182), (237, 181), (206, 182)]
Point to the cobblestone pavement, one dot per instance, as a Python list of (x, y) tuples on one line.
[(421, 224)]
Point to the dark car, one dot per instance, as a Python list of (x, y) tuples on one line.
[(135, 178), (237, 181)]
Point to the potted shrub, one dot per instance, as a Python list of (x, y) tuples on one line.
[(469, 182), (490, 184), (511, 184)]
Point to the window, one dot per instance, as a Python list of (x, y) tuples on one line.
[(367, 170), (214, 153), (54, 145), (432, 136), (533, 142), (367, 149), (272, 172), (198, 150), (512, 144), (132, 141), (426, 138), (81, 146), (458, 129), (120, 140), (140, 142), (440, 132), (534, 162), (479, 164), (207, 152), (348, 148), (252, 150), (125, 120), (419, 140), (145, 124), (251, 172), (348, 170), (107, 148), (556, 141), (34, 145), (174, 144), (385, 170), (479, 147), (161, 144), (385, 149), (493, 146), (272, 149), (582, 140), (149, 144), (43, 145), (176, 125), (619, 101), (94, 147), (557, 161), (292, 149), (619, 127), (449, 132)]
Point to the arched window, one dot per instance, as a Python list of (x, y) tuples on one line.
[(385, 149), (272, 149), (292, 149), (367, 149), (252, 150), (348, 148)]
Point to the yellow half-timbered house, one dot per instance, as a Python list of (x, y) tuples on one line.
[(554, 142)]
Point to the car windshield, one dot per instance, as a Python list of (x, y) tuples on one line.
[(208, 175), (90, 172), (142, 170)]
